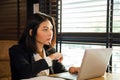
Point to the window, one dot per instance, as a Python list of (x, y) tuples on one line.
[(88, 24), (84, 15)]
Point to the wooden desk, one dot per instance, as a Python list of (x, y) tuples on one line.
[(107, 76)]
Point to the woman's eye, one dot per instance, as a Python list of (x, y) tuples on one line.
[(45, 29)]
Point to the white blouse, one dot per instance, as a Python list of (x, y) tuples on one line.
[(48, 60)]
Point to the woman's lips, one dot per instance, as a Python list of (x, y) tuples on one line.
[(49, 39)]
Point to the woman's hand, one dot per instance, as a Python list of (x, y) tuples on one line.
[(56, 56), (74, 70)]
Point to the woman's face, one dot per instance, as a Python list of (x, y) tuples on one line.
[(44, 33)]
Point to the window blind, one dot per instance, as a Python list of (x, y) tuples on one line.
[(8, 20), (12, 18), (84, 15)]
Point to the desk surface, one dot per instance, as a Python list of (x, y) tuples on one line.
[(107, 76)]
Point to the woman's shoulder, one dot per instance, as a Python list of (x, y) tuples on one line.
[(16, 47), (18, 50)]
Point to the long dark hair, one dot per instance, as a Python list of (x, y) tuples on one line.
[(30, 40)]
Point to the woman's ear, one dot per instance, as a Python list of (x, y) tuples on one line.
[(30, 32)]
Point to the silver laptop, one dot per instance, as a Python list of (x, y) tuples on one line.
[(94, 64)]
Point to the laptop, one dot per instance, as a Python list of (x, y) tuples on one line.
[(94, 64)]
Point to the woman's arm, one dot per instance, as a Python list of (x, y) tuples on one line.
[(57, 66), (23, 64)]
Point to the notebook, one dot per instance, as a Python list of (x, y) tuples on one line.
[(94, 64), (43, 78)]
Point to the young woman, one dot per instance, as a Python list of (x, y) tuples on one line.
[(35, 54)]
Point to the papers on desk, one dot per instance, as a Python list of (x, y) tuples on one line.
[(44, 78)]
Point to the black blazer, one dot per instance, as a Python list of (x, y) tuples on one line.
[(24, 66)]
